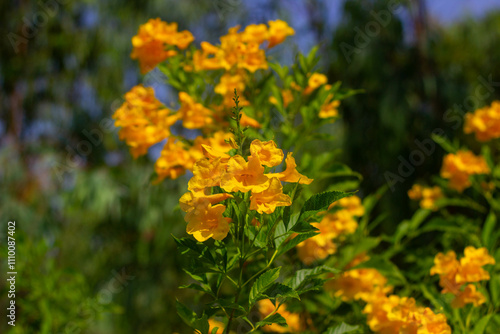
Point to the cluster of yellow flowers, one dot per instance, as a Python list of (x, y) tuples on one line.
[(232, 174), (385, 313), (332, 226), (426, 195), (293, 320), (144, 121), (460, 166), (454, 274), (316, 80), (238, 54), (484, 122), (156, 41), (241, 50), (393, 315)]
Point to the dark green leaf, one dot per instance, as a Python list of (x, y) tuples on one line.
[(273, 319), (262, 283)]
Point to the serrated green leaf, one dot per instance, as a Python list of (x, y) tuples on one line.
[(228, 304), (197, 247), (262, 283), (320, 202), (273, 319), (285, 247), (342, 329), (280, 234), (191, 319), (278, 290), (301, 276)]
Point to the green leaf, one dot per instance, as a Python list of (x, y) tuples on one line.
[(278, 290), (481, 324), (273, 319), (319, 202), (203, 288), (342, 329), (285, 247), (444, 143), (303, 275), (495, 290), (199, 248), (488, 228), (191, 319), (229, 304), (280, 234), (262, 283)]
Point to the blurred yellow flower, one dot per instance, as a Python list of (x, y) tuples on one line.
[(144, 121), (278, 31), (469, 295), (293, 320), (394, 314), (174, 160), (427, 196), (357, 284), (246, 120), (454, 274), (194, 115), (484, 122), (315, 80), (155, 41), (458, 167)]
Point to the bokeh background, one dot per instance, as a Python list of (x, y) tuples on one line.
[(94, 246)]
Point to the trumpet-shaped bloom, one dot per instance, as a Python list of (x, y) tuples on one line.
[(206, 173), (267, 200), (206, 221), (269, 154), (244, 176), (194, 199), (290, 174)]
